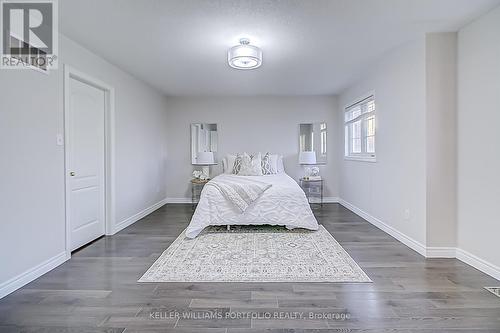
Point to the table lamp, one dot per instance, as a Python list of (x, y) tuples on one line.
[(307, 158), (205, 159)]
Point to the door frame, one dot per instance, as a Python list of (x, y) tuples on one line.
[(109, 149)]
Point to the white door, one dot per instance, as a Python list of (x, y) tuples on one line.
[(85, 178)]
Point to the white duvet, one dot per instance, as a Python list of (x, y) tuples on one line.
[(284, 203)]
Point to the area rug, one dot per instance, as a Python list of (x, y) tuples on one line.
[(256, 254)]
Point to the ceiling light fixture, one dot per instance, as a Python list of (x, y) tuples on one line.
[(244, 56)]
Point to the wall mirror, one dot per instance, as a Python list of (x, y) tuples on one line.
[(313, 138), (203, 139)]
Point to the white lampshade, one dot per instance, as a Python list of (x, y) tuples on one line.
[(307, 157), (205, 158)]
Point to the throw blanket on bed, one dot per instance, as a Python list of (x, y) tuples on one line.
[(240, 191)]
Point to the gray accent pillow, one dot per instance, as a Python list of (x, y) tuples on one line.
[(266, 165), (237, 164)]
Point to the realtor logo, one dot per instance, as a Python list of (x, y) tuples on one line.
[(29, 36)]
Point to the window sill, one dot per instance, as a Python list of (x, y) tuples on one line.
[(361, 159)]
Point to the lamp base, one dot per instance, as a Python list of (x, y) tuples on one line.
[(206, 171), (307, 172), (311, 171)]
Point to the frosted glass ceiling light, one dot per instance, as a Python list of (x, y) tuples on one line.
[(244, 56)]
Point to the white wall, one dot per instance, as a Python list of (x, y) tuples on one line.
[(479, 138), (141, 136), (438, 103), (396, 182), (441, 136), (31, 173), (32, 227), (249, 124)]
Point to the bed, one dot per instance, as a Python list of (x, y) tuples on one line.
[(284, 203)]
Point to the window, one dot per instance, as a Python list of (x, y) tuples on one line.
[(360, 130)]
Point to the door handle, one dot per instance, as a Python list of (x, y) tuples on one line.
[(72, 174)]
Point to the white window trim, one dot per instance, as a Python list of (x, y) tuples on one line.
[(362, 157)]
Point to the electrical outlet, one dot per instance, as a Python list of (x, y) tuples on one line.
[(407, 214), (59, 140)]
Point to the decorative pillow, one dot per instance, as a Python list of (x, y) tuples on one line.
[(281, 166), (266, 165), (273, 160), (237, 163), (250, 166), (228, 163)]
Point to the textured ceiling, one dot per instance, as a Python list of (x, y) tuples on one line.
[(311, 47)]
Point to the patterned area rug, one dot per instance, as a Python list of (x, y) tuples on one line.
[(256, 254)]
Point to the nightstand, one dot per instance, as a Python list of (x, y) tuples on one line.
[(313, 190), (196, 187)]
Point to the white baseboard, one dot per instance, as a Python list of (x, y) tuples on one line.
[(406, 240), (179, 200), (428, 252), (134, 218), (441, 252), (31, 274), (37, 271), (478, 263), (330, 200)]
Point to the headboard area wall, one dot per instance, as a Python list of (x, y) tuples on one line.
[(250, 124)]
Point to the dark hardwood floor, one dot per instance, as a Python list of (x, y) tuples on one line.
[(96, 291)]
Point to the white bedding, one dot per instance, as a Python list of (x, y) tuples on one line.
[(282, 204), (240, 191)]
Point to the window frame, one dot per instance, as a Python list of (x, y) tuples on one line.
[(363, 156)]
